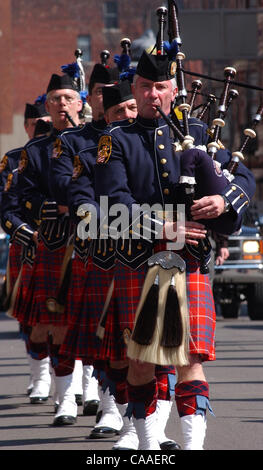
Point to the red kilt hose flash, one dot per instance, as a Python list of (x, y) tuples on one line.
[(127, 290), (84, 307)]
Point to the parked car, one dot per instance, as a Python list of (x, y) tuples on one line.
[(240, 278)]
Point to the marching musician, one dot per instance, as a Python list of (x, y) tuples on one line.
[(21, 235), (81, 338), (69, 168), (53, 226), (119, 104), (137, 164)]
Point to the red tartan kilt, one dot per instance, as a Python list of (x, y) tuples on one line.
[(14, 261), (21, 306), (44, 283), (85, 302), (121, 313), (127, 290)]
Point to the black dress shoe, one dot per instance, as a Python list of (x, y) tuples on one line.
[(38, 400), (90, 407), (102, 431), (64, 420), (170, 445), (78, 399)]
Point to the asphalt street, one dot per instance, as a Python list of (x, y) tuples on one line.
[(236, 391)]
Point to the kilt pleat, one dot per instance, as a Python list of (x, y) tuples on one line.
[(84, 307), (121, 313), (23, 296), (44, 283), (14, 262)]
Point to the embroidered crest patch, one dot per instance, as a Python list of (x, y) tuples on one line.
[(104, 149), (57, 150), (23, 161), (3, 163), (8, 182), (77, 167)]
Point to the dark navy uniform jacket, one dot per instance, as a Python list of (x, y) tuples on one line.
[(72, 176), (136, 164), (12, 219), (37, 202), (74, 145)]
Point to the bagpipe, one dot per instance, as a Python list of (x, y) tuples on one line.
[(250, 133), (76, 71), (123, 61), (161, 330), (104, 57), (201, 173)]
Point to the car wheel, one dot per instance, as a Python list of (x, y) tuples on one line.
[(230, 310), (255, 301)]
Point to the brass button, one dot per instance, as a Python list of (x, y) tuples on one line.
[(233, 188), (165, 174), (161, 146), (159, 132), (163, 161), (242, 195), (166, 191), (131, 120)]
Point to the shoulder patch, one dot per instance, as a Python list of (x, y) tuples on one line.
[(104, 149), (3, 163), (23, 161), (57, 150), (77, 167), (8, 182)]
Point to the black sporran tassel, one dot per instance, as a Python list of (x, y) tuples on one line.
[(146, 321), (172, 335)]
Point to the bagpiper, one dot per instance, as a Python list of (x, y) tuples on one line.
[(54, 229), (36, 121), (165, 304)]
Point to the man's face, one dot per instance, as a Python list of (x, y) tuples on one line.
[(149, 94), (61, 101), (95, 100), (30, 125), (125, 110)]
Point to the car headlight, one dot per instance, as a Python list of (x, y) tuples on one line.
[(251, 247)]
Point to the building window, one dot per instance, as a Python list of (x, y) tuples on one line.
[(84, 44), (110, 11)]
